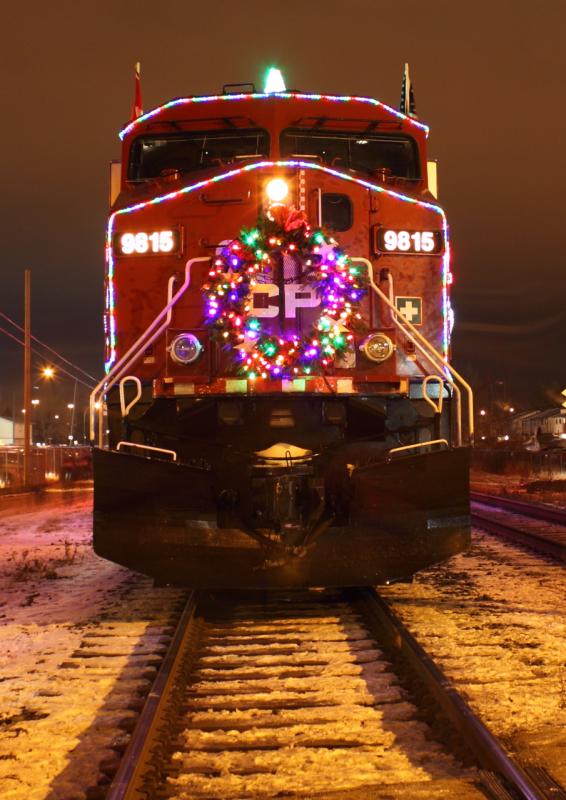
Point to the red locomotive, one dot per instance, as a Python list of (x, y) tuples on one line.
[(278, 407)]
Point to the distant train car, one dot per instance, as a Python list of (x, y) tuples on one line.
[(278, 408), (76, 464)]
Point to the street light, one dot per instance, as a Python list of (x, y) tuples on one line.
[(35, 401), (71, 407), (48, 372)]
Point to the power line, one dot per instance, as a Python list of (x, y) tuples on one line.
[(38, 353), (46, 346)]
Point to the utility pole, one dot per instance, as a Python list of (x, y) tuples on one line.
[(27, 378), (72, 438)]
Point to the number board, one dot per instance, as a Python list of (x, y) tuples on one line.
[(407, 242), (148, 243)]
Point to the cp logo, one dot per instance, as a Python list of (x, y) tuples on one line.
[(266, 299)]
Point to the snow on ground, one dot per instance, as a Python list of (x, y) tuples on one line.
[(59, 602), (297, 696), (494, 619)]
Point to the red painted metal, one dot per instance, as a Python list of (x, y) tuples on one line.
[(212, 215)]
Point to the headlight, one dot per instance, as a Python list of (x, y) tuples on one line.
[(185, 348), (277, 190), (378, 347)]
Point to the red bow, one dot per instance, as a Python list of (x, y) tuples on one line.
[(295, 220)]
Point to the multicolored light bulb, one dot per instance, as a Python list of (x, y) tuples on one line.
[(283, 95), (260, 251), (284, 355)]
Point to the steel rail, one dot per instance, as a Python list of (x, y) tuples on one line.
[(539, 542), (125, 785), (486, 748), (502, 772), (536, 510)]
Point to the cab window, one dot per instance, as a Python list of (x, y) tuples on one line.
[(364, 153), (152, 156), (337, 211)]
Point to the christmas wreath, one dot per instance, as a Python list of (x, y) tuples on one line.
[(248, 261)]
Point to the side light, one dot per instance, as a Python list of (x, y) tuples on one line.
[(334, 412), (277, 190), (185, 348), (378, 347), (230, 412)]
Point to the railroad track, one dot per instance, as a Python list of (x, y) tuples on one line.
[(540, 527), (310, 694)]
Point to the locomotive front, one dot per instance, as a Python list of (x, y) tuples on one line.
[(278, 408)]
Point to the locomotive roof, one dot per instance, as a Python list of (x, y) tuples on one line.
[(274, 96)]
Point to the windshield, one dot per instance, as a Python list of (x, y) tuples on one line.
[(358, 151), (152, 156)]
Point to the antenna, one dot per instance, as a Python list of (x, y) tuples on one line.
[(407, 105)]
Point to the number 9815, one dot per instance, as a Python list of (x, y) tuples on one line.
[(391, 241), (144, 242)]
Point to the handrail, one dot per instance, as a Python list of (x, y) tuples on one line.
[(125, 407), (151, 334), (171, 453), (418, 444), (399, 320), (118, 369), (226, 201), (132, 355), (437, 407), (428, 350)]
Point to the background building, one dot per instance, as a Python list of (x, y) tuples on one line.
[(11, 433), (544, 425)]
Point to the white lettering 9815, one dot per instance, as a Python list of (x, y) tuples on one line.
[(411, 242), (147, 243)]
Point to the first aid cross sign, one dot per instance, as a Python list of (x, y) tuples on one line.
[(410, 308)]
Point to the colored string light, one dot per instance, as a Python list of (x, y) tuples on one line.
[(228, 294), (305, 165), (447, 310), (268, 96)]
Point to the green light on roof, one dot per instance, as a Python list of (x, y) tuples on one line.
[(274, 81)]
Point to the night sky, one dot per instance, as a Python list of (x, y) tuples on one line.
[(488, 79)]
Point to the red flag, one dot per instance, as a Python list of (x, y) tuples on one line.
[(137, 109)]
